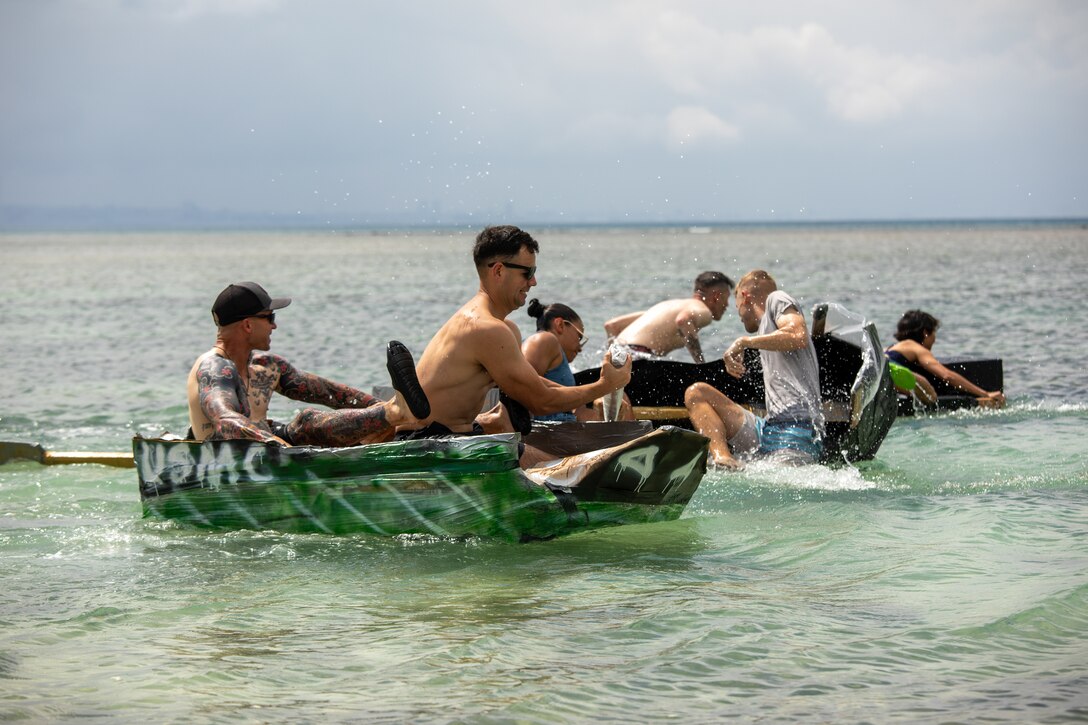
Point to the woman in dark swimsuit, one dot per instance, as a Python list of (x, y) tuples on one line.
[(916, 333)]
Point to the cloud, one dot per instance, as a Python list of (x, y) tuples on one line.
[(857, 84), (695, 125), (560, 105)]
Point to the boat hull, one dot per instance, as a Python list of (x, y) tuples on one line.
[(987, 373), (455, 487), (859, 400)]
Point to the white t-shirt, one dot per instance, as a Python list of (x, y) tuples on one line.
[(791, 379)]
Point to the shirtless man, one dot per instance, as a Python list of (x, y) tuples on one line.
[(478, 348), (793, 430), (230, 386), (671, 324)]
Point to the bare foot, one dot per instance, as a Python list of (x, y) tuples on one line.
[(728, 464), (720, 458), (396, 411)]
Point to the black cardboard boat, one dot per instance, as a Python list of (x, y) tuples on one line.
[(987, 373), (859, 400)]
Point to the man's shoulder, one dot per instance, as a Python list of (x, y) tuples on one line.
[(212, 359), (265, 359), (212, 365), (779, 294), (779, 301), (473, 329)]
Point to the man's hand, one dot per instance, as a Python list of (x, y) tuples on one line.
[(734, 358), (614, 377), (495, 420)]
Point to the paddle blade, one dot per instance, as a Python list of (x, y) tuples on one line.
[(18, 451)]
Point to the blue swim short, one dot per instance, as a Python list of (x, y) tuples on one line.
[(790, 441)]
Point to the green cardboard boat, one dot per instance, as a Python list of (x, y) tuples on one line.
[(604, 474)]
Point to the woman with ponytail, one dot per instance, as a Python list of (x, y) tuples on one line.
[(560, 336)]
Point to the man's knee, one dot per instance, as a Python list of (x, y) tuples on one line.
[(301, 428), (699, 393)]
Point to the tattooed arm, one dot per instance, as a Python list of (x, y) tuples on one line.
[(224, 403), (309, 388)]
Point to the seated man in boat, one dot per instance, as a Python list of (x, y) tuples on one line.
[(478, 348), (672, 324), (916, 333), (560, 335), (793, 430), (230, 386)]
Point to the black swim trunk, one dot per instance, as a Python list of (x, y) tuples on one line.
[(437, 430)]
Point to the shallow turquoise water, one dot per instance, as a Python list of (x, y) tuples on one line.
[(947, 580)]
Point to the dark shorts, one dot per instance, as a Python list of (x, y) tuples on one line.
[(437, 430)]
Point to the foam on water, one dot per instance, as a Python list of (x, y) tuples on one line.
[(765, 473)]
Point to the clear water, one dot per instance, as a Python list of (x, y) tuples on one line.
[(945, 581)]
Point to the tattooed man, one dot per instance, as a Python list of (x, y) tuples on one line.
[(230, 386)]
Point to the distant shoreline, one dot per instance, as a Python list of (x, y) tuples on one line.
[(116, 220)]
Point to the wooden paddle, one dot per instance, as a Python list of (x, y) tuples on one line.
[(15, 450)]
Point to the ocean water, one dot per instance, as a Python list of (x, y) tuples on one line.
[(944, 581)]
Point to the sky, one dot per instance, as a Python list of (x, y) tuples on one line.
[(576, 111)]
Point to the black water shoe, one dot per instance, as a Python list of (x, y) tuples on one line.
[(402, 371)]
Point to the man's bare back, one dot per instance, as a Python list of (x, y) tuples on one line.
[(675, 323), (667, 325)]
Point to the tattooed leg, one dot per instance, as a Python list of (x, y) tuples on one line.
[(313, 427)]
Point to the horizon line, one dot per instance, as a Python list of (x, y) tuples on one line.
[(15, 218)]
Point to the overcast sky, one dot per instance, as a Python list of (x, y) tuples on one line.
[(576, 110)]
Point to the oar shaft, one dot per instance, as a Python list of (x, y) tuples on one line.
[(20, 451), (118, 460)]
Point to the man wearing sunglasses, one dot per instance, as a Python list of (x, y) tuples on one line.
[(673, 324), (230, 386), (478, 348)]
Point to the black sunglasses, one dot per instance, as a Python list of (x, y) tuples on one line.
[(529, 272), (271, 317)]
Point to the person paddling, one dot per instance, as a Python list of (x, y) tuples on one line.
[(230, 386), (560, 335), (478, 348), (916, 332)]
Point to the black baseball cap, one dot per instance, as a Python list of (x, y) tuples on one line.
[(244, 299)]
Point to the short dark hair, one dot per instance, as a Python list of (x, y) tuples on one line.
[(706, 280), (545, 314), (501, 241), (915, 325)]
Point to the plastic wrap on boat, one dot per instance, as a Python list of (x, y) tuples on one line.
[(448, 487)]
